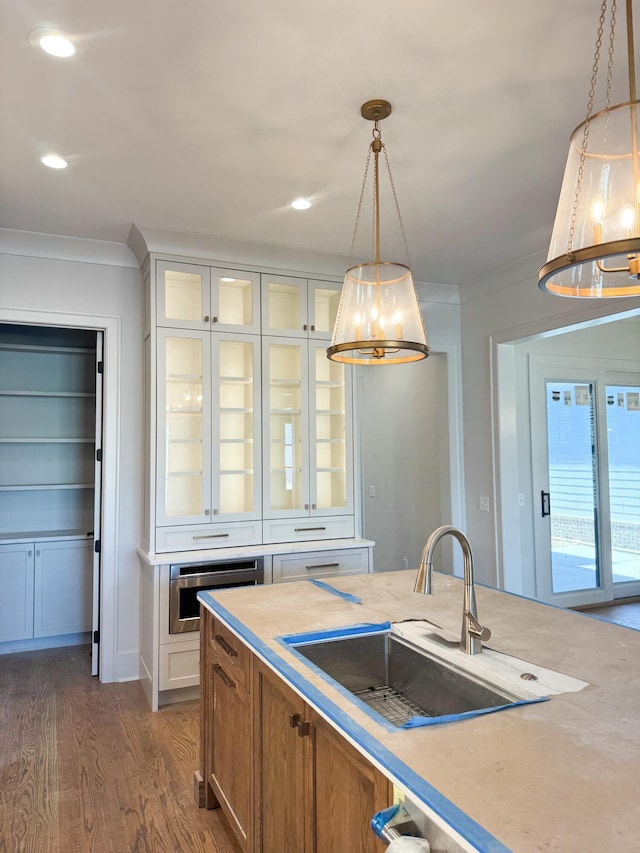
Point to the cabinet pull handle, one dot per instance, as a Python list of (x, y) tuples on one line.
[(205, 319), (29, 553), (314, 506), (214, 319), (212, 536), (296, 723), (220, 640), (313, 328), (223, 675), (207, 512), (303, 529), (323, 566), (304, 328)]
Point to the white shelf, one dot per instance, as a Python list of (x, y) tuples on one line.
[(330, 440), (184, 377), (235, 410), (285, 383), (286, 411), (328, 383), (237, 471), (79, 394), (41, 487), (183, 410), (47, 440), (236, 380), (330, 470), (330, 412), (236, 441)]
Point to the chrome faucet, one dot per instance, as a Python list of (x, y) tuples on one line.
[(473, 633)]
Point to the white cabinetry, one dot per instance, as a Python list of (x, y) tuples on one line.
[(320, 564), (16, 600), (46, 588), (299, 307)]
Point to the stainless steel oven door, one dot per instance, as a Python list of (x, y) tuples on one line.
[(184, 607)]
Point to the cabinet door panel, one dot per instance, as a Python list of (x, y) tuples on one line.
[(281, 766), (345, 781), (235, 301), (16, 599), (236, 427), (331, 435), (63, 588), (184, 427), (183, 292), (285, 430), (231, 753), (324, 298), (284, 306)]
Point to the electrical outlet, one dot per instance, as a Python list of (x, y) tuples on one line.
[(483, 503), (372, 491)]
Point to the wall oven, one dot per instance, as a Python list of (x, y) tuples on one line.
[(187, 580)]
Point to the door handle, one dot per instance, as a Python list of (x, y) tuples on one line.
[(295, 722), (218, 670), (220, 640), (545, 503)]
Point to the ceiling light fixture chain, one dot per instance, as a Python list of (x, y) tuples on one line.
[(395, 199), (587, 125)]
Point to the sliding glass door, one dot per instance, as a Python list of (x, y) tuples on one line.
[(586, 475)]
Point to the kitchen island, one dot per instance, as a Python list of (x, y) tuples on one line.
[(559, 775)]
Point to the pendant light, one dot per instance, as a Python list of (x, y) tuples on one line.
[(379, 320), (595, 244)]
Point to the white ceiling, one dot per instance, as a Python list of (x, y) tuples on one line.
[(210, 116)]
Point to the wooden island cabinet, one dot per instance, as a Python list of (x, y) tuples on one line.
[(285, 779)]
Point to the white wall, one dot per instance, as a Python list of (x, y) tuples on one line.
[(514, 309), (44, 274)]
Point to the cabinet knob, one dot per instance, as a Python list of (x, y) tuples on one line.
[(306, 506), (29, 553), (314, 506), (38, 553), (214, 319), (313, 328), (216, 511), (207, 512), (206, 319)]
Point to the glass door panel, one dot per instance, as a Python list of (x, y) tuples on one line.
[(324, 298), (287, 432), (623, 443), (235, 301), (183, 476), (183, 295), (284, 306), (573, 487), (329, 441), (239, 436)]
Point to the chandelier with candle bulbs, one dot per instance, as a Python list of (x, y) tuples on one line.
[(379, 320)]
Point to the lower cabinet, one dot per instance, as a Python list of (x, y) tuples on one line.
[(46, 588), (286, 780)]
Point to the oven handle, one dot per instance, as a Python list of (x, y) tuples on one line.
[(218, 670), (220, 640), (217, 579)]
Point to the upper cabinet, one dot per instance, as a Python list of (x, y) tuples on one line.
[(299, 307), (191, 296)]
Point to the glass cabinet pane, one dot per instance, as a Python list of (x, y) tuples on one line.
[(183, 295), (236, 296), (284, 306), (286, 427), (237, 418), (330, 433), (325, 299), (184, 427)]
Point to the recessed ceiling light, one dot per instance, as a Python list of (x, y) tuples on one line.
[(54, 42), (227, 279), (53, 161), (301, 204)]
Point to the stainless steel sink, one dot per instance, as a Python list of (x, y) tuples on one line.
[(398, 680)]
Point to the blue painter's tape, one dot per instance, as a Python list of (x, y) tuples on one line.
[(417, 722), (380, 820), (328, 588), (414, 784), (336, 633)]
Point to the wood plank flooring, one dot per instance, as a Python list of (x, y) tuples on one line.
[(87, 767)]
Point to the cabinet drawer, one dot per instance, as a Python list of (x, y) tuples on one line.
[(229, 652), (320, 564), (205, 536), (179, 665), (308, 529)]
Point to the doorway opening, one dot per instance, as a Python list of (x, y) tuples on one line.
[(569, 463), (50, 486)]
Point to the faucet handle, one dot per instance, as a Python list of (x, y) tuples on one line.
[(476, 629)]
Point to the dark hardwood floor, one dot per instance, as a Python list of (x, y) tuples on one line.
[(87, 767)]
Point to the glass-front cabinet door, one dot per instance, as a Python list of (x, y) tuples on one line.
[(191, 296), (183, 295), (235, 301), (284, 306), (236, 427), (285, 428), (324, 298), (330, 443), (184, 427)]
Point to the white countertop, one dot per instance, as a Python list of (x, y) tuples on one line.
[(562, 775)]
